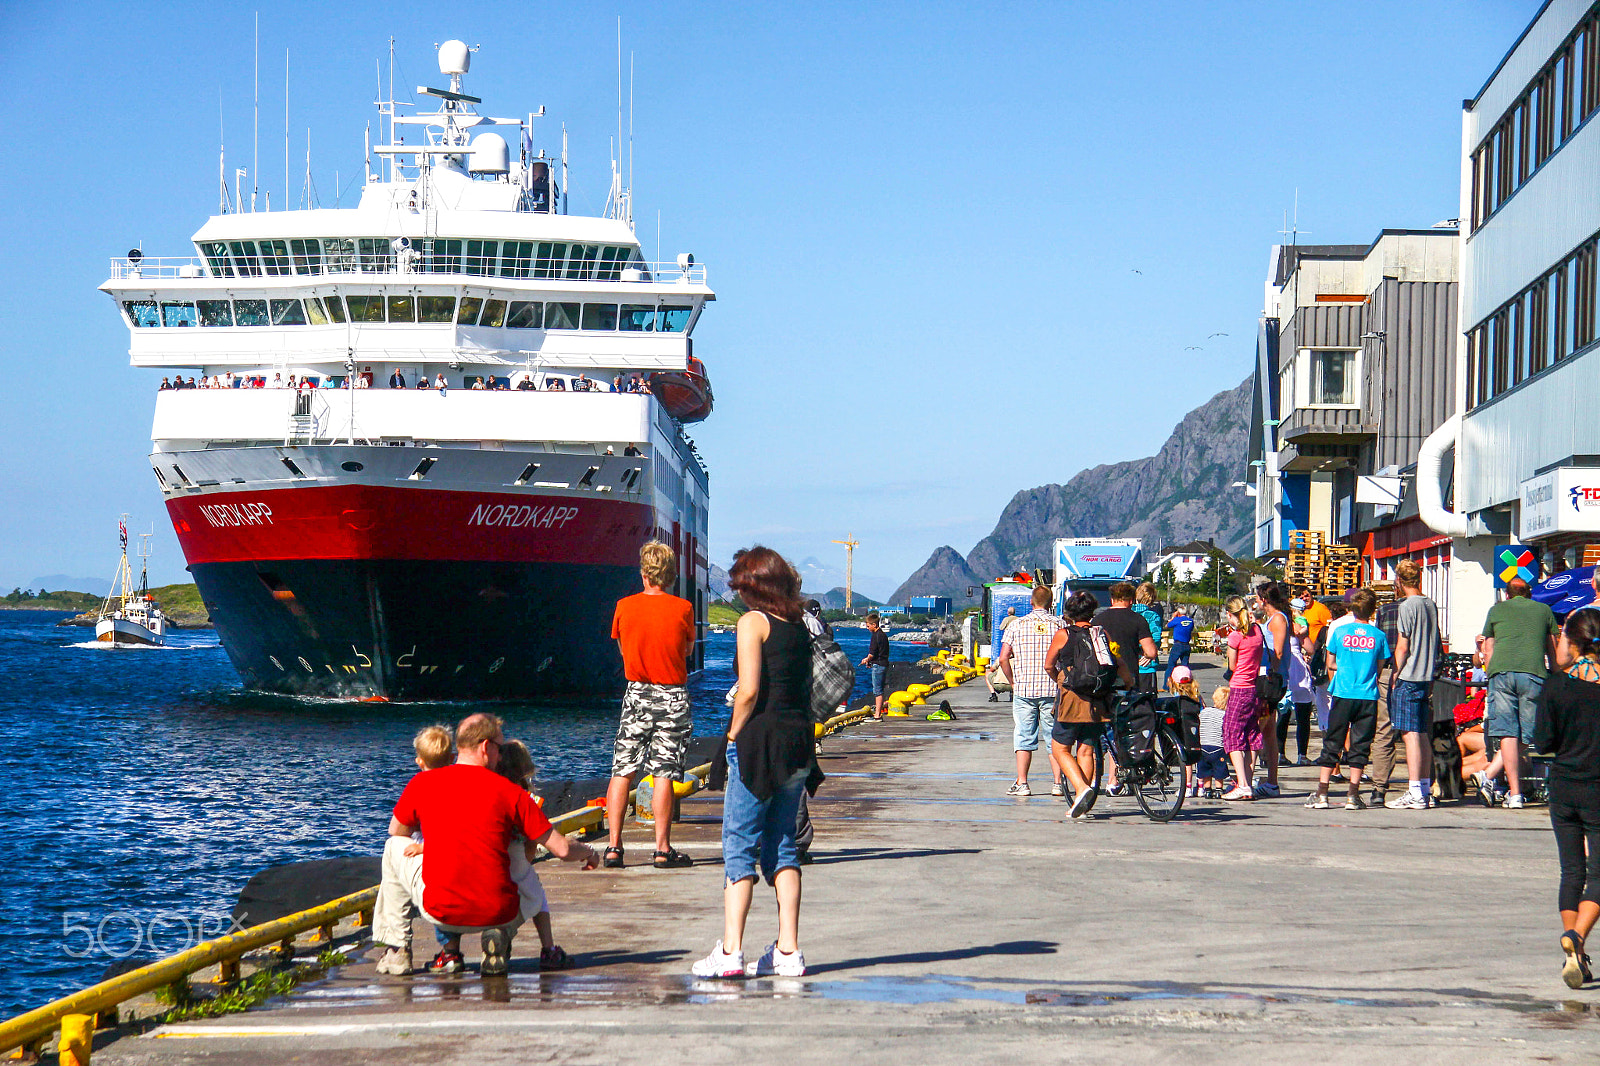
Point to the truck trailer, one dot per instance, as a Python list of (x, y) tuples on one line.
[(1094, 564)]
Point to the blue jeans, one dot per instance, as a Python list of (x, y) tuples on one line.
[(1032, 717), (1513, 697), (756, 830), (1178, 656), (878, 672)]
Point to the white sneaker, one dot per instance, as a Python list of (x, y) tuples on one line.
[(1058, 789), (1514, 802), (1408, 801), (396, 962), (1080, 803), (720, 964), (1019, 788), (774, 963)]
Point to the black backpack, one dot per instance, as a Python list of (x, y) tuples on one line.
[(1085, 662)]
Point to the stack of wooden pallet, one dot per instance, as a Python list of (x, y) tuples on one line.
[(1342, 571), (1307, 557)]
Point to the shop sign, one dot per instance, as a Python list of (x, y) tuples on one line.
[(1563, 500)]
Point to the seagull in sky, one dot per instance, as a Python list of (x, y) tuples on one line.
[(1217, 335), (1193, 348), (1136, 270)]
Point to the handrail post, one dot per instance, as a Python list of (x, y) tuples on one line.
[(228, 971), (77, 1039)]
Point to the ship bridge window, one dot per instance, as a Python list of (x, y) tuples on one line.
[(216, 254), (275, 256), (376, 255), (434, 308), (365, 308), (440, 256), (551, 256), (515, 258), (525, 315), (307, 253), (402, 309), (177, 314), (638, 318), (142, 313), (340, 253), (335, 308), (215, 313), (612, 259), (244, 258), (250, 313), (600, 316), (481, 257), (288, 313), (494, 313), (314, 312), (561, 316), (467, 314), (580, 266), (674, 319)]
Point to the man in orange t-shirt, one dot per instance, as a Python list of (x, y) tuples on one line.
[(656, 632)]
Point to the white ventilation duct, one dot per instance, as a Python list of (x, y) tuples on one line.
[(1430, 481)]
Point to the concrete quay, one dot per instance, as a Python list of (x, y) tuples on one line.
[(947, 923)]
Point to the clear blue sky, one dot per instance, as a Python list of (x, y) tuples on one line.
[(923, 221)]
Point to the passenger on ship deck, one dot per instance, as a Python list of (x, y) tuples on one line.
[(554, 385), (164, 386), (581, 383), (397, 380), (527, 385), (422, 382), (616, 383), (632, 449), (477, 383), (439, 382), (228, 381), (469, 816)]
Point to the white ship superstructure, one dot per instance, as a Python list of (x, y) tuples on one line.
[(355, 534)]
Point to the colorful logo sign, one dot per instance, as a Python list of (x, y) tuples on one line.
[(1513, 561), (1584, 496)]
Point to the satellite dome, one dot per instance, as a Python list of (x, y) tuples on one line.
[(454, 58), (489, 154)]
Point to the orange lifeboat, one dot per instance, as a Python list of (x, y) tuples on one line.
[(686, 394)]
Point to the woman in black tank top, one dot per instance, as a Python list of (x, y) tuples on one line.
[(768, 755)]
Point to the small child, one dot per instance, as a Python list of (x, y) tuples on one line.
[(516, 766), (1181, 683), (1212, 768), (432, 746)]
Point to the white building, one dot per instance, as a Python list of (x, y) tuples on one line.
[(1188, 561), (1527, 429)]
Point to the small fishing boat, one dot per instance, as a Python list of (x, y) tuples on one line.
[(136, 618)]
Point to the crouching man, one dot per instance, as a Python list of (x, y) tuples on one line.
[(461, 882)]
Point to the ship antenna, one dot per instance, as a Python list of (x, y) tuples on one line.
[(630, 138), (286, 200), (222, 157), (255, 143), (563, 168)]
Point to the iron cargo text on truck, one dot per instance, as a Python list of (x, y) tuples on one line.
[(521, 516)]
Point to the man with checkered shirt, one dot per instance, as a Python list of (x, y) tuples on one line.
[(1023, 660)]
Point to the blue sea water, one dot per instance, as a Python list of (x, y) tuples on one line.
[(140, 788)]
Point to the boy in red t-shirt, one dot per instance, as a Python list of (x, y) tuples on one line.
[(656, 633)]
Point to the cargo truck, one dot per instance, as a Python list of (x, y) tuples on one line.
[(1094, 564)]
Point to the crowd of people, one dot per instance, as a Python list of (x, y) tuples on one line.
[(524, 381), (1366, 673)]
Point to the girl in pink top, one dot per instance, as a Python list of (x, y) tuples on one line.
[(1241, 721)]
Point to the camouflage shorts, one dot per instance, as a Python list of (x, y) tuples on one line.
[(654, 733)]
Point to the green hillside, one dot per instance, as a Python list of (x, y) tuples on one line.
[(181, 603)]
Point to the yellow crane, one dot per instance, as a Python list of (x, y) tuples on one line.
[(849, 543)]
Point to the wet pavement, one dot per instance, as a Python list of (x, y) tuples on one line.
[(946, 922)]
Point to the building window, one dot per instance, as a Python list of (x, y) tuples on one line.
[(1326, 377)]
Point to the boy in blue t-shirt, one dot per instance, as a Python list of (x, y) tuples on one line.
[(1356, 652)]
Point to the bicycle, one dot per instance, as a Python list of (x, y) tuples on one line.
[(1157, 782)]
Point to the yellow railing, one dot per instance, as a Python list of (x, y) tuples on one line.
[(75, 1015)]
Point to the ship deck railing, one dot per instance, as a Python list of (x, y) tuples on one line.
[(169, 268)]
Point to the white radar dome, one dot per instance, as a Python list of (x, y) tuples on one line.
[(489, 154), (454, 58)]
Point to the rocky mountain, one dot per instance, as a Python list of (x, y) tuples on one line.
[(1181, 493), (833, 599), (717, 582), (945, 573)]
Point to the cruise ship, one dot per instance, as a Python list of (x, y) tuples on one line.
[(435, 428)]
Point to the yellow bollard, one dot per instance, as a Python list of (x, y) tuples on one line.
[(952, 677), (77, 1039)]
